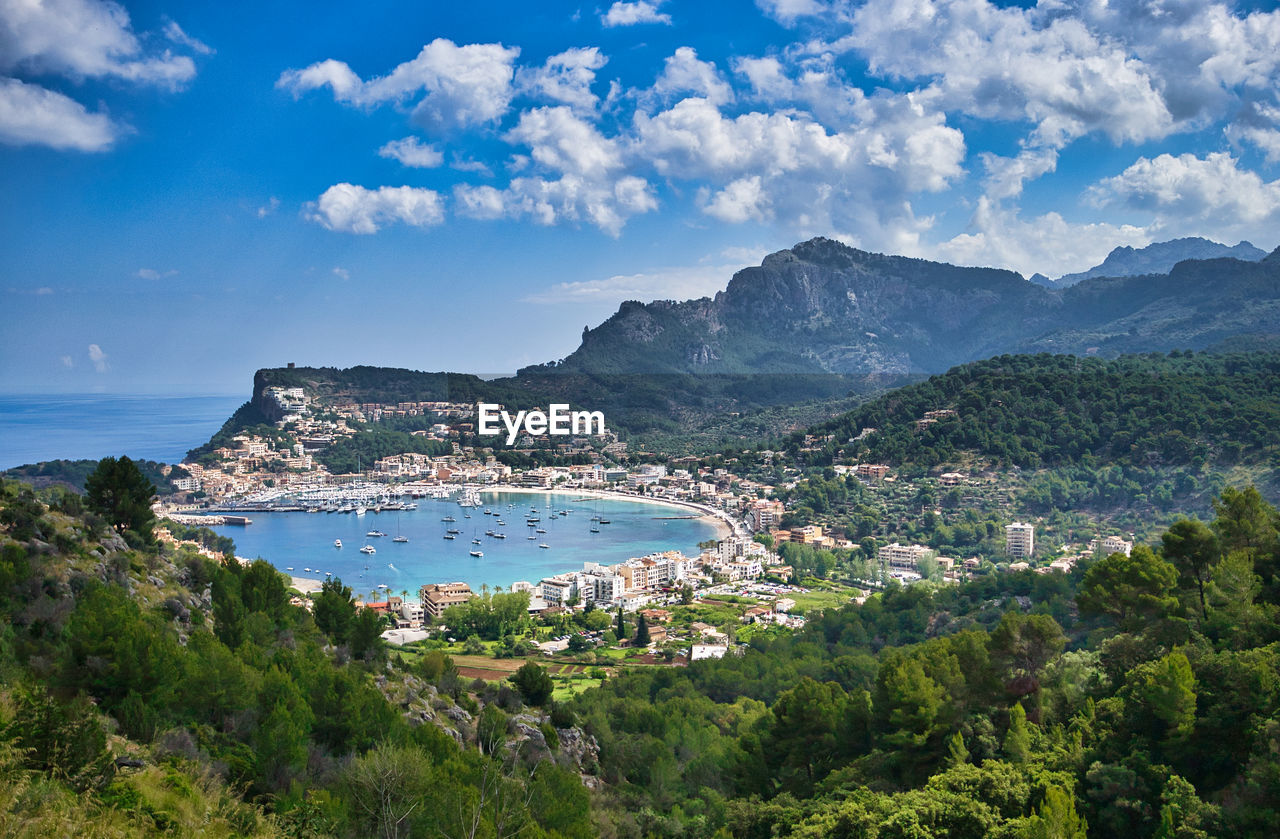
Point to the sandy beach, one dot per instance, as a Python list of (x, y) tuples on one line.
[(717, 518)]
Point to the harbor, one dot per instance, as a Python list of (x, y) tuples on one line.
[(494, 545)]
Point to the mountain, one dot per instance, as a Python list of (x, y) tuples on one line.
[(823, 307), (1158, 258)]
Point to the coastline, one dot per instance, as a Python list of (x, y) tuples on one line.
[(717, 518)]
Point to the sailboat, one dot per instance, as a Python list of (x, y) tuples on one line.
[(399, 538)]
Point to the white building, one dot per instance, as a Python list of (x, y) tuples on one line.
[(1020, 539), (906, 557)]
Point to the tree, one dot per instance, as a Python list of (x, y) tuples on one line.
[(386, 786), (334, 610), (1023, 645), (1017, 740), (119, 492), (1130, 588), (534, 684), (366, 635), (1245, 520), (621, 631), (642, 632), (1193, 549), (1057, 818)]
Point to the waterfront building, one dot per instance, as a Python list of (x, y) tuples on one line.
[(436, 597)]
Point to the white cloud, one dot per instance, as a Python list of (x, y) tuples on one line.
[(566, 77), (353, 209), (1259, 126), (629, 14), (410, 152), (606, 204), (685, 73), (563, 141), (341, 273), (1048, 244), (67, 361), (464, 86), (786, 11), (83, 39), (811, 82), (33, 115), (273, 204), (174, 33), (98, 358), (793, 167), (153, 274), (463, 164), (675, 283), (43, 291), (742, 200), (1015, 64), (1211, 191), (1007, 175)]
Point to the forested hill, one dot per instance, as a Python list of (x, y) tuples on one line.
[(824, 307), (1045, 410)]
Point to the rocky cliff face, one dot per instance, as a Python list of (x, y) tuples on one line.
[(824, 307)]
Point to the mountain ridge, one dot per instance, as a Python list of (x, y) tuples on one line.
[(823, 307), (1157, 258)]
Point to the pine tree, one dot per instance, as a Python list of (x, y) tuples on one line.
[(119, 492)]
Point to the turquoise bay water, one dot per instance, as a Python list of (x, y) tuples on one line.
[(305, 540), (74, 426)]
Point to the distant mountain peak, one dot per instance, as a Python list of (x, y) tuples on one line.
[(1159, 258)]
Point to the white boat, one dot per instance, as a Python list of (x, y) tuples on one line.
[(450, 536), (337, 543), (290, 568), (401, 539), (544, 545), (368, 549), (477, 553)]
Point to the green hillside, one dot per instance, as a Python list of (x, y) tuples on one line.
[(1184, 409)]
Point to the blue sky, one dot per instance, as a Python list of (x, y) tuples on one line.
[(197, 190)]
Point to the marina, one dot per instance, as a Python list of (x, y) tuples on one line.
[(431, 553)]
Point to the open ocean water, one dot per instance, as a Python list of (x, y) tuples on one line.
[(305, 540), (75, 426)]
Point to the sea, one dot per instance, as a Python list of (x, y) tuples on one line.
[(92, 426), (296, 541)]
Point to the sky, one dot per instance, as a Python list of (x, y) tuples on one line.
[(196, 190)]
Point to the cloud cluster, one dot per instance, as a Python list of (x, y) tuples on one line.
[(411, 152), (790, 139), (76, 40), (629, 14), (460, 86), (353, 209)]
